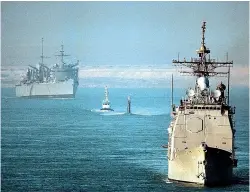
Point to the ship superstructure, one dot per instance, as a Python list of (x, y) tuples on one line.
[(201, 134), (106, 106), (60, 80)]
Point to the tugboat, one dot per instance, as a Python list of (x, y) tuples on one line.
[(105, 103), (201, 134)]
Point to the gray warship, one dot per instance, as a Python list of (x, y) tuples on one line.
[(58, 81), (201, 145)]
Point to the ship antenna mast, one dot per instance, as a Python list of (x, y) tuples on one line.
[(201, 66), (62, 55), (203, 33), (42, 56), (42, 52), (106, 93)]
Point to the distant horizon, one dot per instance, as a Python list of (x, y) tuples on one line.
[(130, 76), (165, 84), (102, 87), (124, 43)]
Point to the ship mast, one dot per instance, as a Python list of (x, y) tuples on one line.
[(42, 56), (42, 52), (106, 94), (203, 67), (43, 69), (62, 55)]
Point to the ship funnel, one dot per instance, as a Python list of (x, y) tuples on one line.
[(203, 83)]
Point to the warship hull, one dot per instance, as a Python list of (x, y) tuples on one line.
[(210, 166), (66, 89)]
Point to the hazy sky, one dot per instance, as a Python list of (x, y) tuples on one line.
[(116, 35)]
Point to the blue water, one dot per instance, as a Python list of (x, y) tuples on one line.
[(69, 145)]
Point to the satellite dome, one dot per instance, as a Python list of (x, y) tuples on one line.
[(190, 92), (217, 94), (203, 48), (203, 83)]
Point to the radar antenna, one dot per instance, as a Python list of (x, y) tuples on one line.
[(62, 55), (202, 66)]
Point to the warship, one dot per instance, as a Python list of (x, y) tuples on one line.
[(201, 134), (106, 103), (60, 80)]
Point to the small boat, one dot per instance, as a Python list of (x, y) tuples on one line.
[(105, 102)]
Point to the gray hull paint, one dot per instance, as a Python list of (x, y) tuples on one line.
[(66, 89), (48, 96), (189, 161), (208, 167)]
